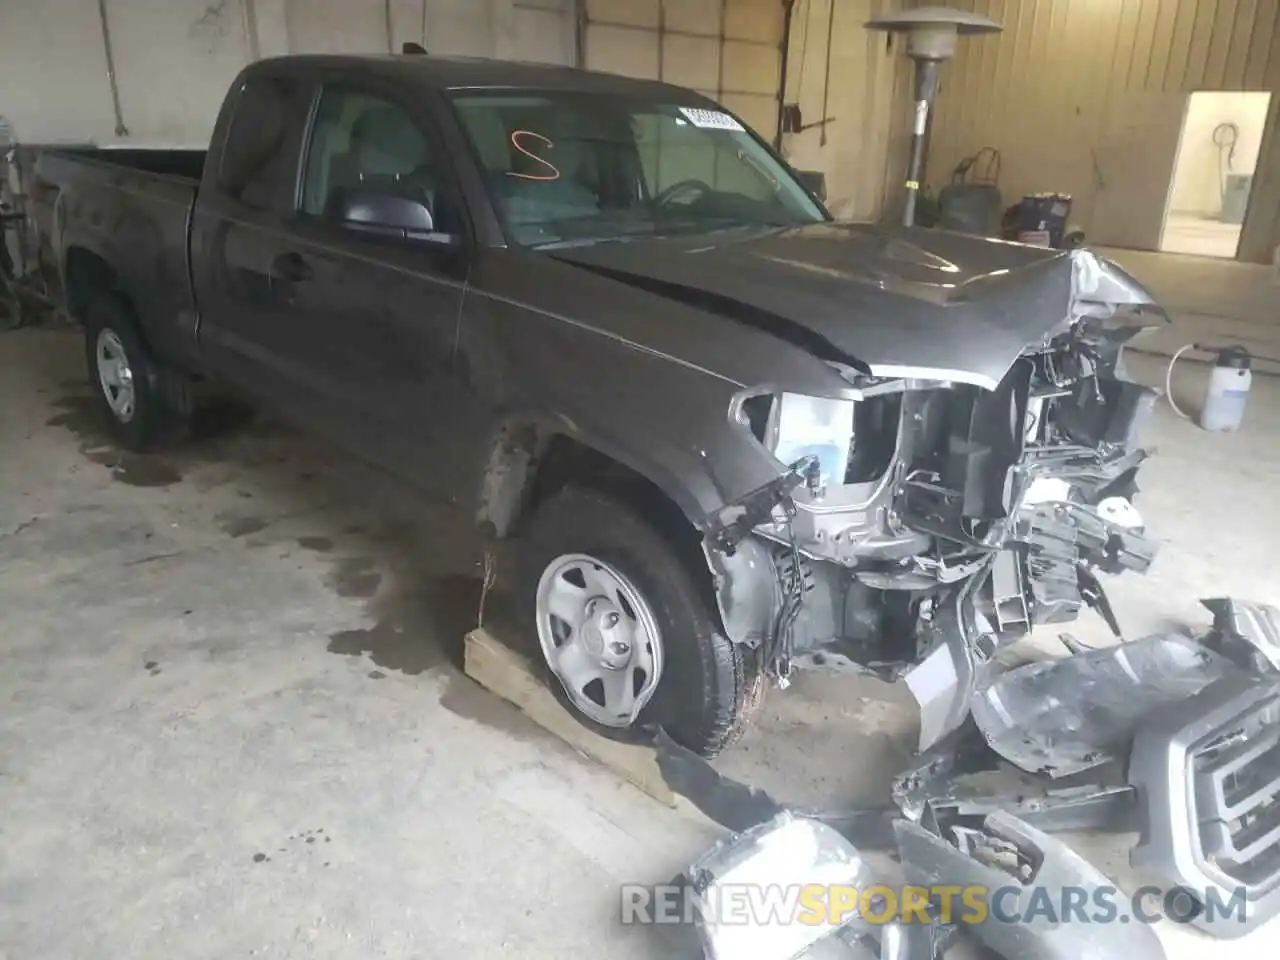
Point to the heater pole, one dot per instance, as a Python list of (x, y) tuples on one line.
[(931, 34), (926, 92)]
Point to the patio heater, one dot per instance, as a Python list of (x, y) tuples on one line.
[(931, 38)]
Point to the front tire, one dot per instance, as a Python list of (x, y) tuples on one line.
[(626, 632), (144, 403)]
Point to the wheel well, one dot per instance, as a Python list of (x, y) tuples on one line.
[(569, 461), (528, 467), (87, 274)]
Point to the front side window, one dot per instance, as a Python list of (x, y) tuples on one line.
[(365, 143), (578, 167)]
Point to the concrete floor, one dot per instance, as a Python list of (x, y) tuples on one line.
[(1202, 236), (232, 723)]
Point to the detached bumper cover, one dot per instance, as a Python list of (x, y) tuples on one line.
[(1207, 771), (1059, 717), (1046, 578), (1030, 861)]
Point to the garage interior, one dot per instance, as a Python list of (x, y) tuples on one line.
[(235, 720)]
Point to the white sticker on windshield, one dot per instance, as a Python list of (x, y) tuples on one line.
[(711, 119)]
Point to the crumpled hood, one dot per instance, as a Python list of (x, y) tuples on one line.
[(911, 302)]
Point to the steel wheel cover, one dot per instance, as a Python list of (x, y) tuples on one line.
[(600, 638), (115, 376)]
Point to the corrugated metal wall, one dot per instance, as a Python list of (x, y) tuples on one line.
[(729, 50), (175, 58), (861, 91), (1080, 95)]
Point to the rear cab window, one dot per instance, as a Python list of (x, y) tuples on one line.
[(259, 160)]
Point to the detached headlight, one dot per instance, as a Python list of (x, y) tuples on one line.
[(774, 862), (792, 425)]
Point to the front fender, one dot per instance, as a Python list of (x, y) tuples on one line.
[(522, 436)]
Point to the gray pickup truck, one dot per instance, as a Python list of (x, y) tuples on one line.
[(733, 437)]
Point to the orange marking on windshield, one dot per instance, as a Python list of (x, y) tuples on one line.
[(516, 135)]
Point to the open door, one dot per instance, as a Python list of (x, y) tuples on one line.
[(1133, 167), (1213, 179)]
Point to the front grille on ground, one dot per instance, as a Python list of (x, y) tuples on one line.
[(1236, 779)]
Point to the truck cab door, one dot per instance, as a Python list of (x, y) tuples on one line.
[(370, 302)]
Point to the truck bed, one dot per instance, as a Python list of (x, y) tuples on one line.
[(57, 166), (178, 164), (165, 175), (129, 212)]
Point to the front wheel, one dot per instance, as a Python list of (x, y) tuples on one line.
[(625, 629)]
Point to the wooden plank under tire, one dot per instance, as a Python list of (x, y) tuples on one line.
[(504, 672)]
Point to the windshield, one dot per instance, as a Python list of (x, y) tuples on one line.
[(572, 167)]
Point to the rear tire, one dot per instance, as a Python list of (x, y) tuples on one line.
[(707, 686), (144, 403)]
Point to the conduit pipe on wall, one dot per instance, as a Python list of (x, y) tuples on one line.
[(121, 129)]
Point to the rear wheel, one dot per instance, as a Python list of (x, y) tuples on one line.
[(144, 403), (625, 629)]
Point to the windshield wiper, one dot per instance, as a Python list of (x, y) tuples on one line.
[(684, 229), (704, 228), (588, 241)]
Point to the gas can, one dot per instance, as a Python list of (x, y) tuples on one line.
[(1228, 392)]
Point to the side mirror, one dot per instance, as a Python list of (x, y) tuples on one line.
[(388, 215), (815, 181)]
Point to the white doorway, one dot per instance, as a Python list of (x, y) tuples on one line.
[(1213, 174)]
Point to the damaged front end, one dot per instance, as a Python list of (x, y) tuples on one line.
[(930, 519)]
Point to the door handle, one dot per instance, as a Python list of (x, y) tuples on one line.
[(291, 267)]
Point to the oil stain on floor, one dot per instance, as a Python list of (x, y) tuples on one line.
[(391, 646), (418, 625), (356, 577), (218, 422), (80, 416), (237, 527), (424, 628)]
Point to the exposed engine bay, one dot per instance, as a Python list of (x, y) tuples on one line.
[(925, 523)]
